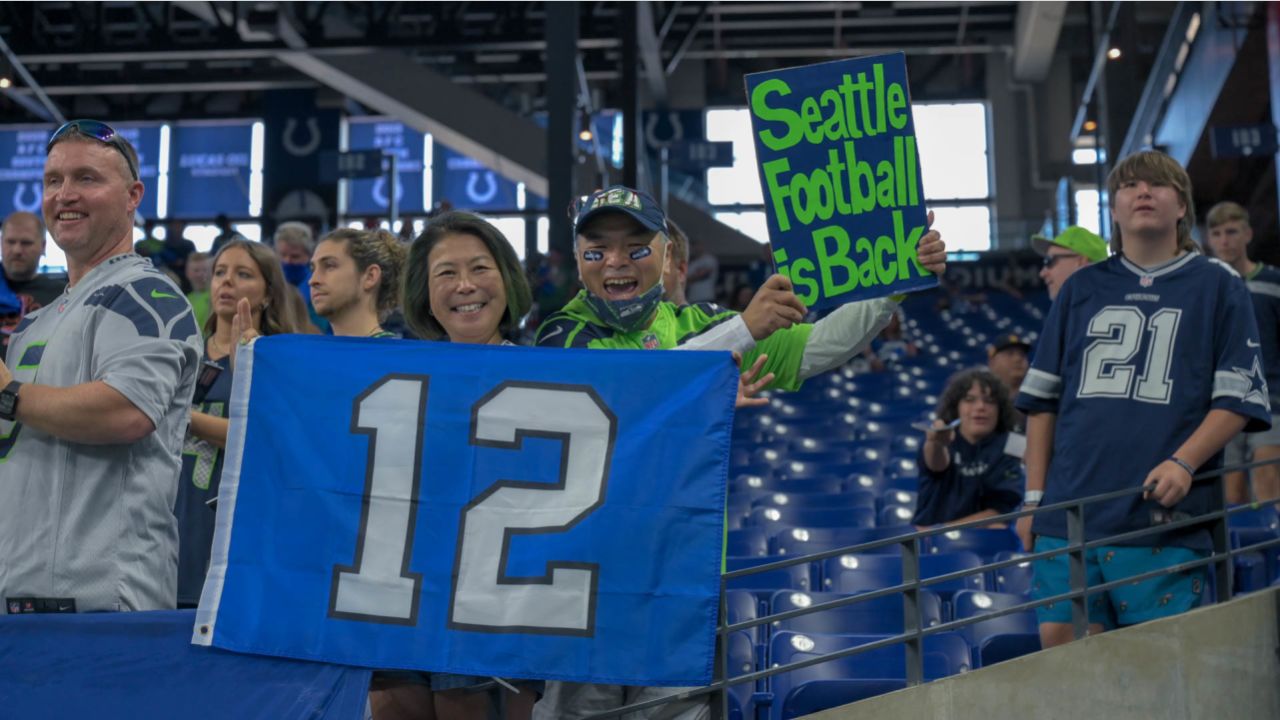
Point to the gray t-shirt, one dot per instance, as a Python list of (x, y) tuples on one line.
[(95, 522)]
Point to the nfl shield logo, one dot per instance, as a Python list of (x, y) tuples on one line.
[(1145, 281), (650, 342)]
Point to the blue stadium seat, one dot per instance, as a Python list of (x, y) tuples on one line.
[(985, 542), (748, 481), (972, 603), (902, 467), (819, 443), (1250, 572), (795, 577), (747, 542), (877, 615), (1006, 646), (742, 605), (854, 499), (1014, 579), (806, 541), (819, 484), (896, 516), (902, 498), (812, 517), (742, 661), (873, 481), (841, 456), (854, 573), (842, 681), (1257, 526)]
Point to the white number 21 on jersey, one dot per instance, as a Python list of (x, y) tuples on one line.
[(1108, 367)]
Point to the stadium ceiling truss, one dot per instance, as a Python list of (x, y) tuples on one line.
[(176, 59)]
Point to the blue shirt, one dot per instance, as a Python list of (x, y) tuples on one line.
[(1131, 361), (981, 476), (1264, 289)]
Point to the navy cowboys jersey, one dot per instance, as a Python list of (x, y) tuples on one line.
[(1131, 361), (1264, 287)]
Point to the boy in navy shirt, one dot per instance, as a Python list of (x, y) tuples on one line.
[(1147, 366), (1229, 236), (968, 473)]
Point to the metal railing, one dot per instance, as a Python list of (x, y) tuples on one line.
[(914, 633)]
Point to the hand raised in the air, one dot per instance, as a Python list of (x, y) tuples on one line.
[(773, 308), (749, 382), (242, 329)]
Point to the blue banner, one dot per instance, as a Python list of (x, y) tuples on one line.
[(841, 178), (297, 132), (124, 666), (209, 170), (21, 173), (469, 185), (504, 511), (370, 197)]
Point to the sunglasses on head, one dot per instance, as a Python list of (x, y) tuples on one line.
[(99, 131)]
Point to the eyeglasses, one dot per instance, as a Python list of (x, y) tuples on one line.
[(1051, 260), (99, 131)]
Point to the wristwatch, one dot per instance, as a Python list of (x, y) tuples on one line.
[(9, 400)]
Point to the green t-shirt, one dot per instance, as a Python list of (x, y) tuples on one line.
[(201, 305), (577, 326)]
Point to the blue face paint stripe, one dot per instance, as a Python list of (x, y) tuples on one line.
[(592, 255), (641, 253)]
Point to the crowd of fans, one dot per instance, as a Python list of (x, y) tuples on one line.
[(143, 341)]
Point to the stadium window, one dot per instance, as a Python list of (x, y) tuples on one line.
[(955, 161), (752, 223), (1087, 211), (512, 226)]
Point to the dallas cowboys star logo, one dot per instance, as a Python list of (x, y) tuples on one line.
[(1257, 392)]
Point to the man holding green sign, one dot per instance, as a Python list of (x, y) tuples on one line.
[(837, 151)]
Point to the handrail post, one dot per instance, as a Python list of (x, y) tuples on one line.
[(1078, 577), (722, 643), (911, 616), (1224, 569)]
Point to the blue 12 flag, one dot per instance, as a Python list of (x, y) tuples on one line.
[(485, 510)]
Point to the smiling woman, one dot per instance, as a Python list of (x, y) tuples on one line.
[(463, 282)]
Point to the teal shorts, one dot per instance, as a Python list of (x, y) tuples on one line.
[(1145, 600)]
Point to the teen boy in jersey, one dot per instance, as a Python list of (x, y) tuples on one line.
[(622, 249), (1147, 366), (1229, 237)]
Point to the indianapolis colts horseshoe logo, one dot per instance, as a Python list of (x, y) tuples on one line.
[(474, 193), (379, 192), (301, 149), (32, 206)]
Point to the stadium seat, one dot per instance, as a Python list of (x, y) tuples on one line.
[(806, 541), (1014, 579), (818, 484), (985, 542), (903, 498), (747, 542), (841, 681), (795, 577), (854, 499), (812, 517), (742, 661), (1250, 572), (748, 481), (971, 603), (854, 573), (1006, 646), (877, 615), (896, 515)]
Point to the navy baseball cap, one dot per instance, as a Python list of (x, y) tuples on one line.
[(619, 198)]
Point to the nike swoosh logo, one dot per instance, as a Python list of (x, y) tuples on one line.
[(553, 333), (1250, 343), (156, 295)]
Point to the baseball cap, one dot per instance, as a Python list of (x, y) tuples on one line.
[(1004, 342), (619, 198), (1077, 240)]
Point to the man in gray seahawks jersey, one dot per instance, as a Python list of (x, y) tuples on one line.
[(94, 400)]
